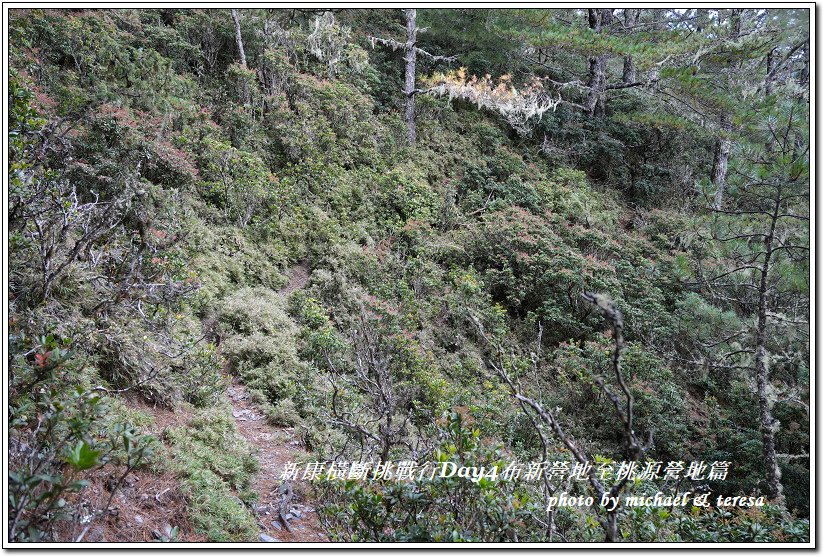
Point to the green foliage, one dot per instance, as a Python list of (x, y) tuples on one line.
[(659, 402), (237, 182), (63, 436), (260, 346), (406, 198), (159, 191), (214, 464), (768, 524), (223, 259), (24, 121), (445, 509)]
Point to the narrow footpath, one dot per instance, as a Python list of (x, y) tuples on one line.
[(284, 512)]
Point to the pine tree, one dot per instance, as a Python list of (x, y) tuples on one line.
[(763, 236)]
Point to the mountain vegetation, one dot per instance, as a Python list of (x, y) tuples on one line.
[(571, 236)]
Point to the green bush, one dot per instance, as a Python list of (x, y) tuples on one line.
[(214, 464), (441, 510), (62, 435)]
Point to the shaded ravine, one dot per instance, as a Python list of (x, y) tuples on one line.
[(274, 447)]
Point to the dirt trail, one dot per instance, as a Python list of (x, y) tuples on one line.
[(298, 277), (147, 505), (273, 448)]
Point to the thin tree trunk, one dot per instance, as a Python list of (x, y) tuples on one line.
[(659, 20), (768, 89), (409, 85), (724, 144), (735, 20), (629, 70), (611, 527), (596, 98), (722, 156), (238, 38), (769, 425), (632, 17), (770, 67), (597, 85)]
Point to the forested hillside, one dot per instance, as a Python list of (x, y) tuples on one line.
[(571, 240)]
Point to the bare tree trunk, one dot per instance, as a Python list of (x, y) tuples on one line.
[(768, 424), (597, 83), (238, 38), (629, 70), (596, 98), (632, 17), (768, 88), (724, 144), (722, 156), (611, 527), (659, 16), (410, 53), (409, 85), (735, 20), (770, 67)]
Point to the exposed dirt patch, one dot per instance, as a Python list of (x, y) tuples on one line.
[(145, 507), (274, 447), (164, 418), (298, 277)]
